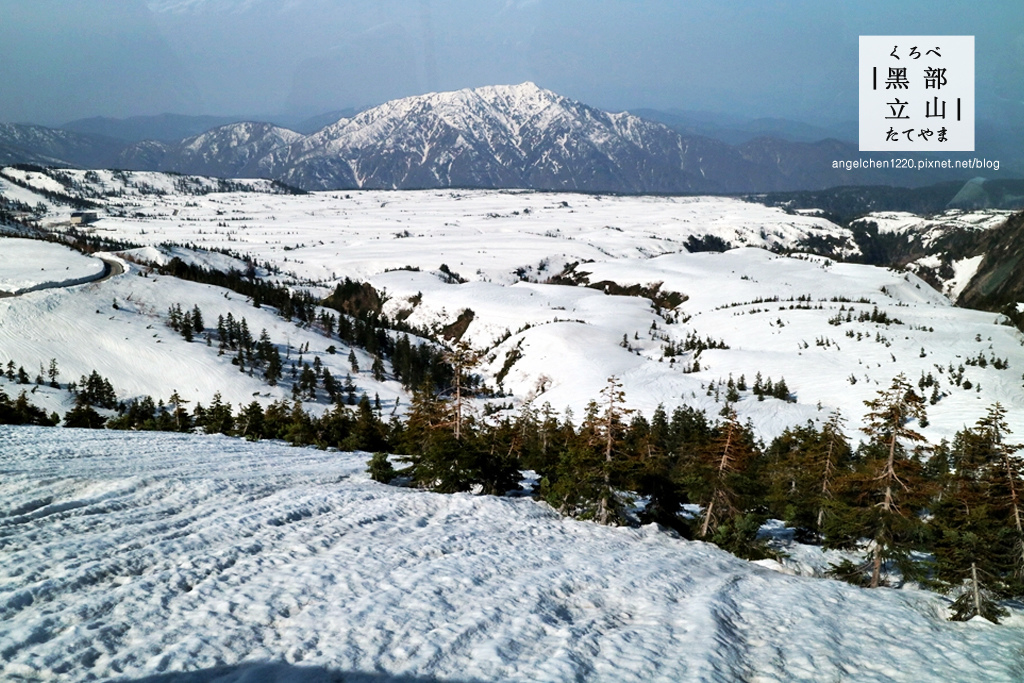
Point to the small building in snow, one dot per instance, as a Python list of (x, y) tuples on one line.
[(84, 217)]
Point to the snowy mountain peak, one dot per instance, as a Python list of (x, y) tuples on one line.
[(494, 136)]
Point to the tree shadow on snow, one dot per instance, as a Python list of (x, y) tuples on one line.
[(278, 672)]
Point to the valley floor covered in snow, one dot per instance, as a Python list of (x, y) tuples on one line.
[(138, 556)]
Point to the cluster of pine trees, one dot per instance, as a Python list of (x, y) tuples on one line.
[(21, 411), (948, 516)]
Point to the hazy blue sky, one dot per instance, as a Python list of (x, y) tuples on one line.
[(69, 59)]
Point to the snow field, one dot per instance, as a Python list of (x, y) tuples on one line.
[(142, 554), (27, 265), (494, 238), (574, 343), (481, 234), (902, 222)]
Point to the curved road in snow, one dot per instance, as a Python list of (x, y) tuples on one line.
[(111, 268)]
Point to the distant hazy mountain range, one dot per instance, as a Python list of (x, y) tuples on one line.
[(519, 136)]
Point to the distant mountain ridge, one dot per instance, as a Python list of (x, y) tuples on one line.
[(513, 136), (20, 143)]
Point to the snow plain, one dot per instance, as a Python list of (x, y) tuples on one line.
[(131, 556), (541, 342), (481, 234)]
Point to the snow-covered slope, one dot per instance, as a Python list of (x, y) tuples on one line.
[(785, 317), (930, 229), (947, 249), (27, 265), (229, 151), (519, 136), (135, 555), (119, 329), (41, 145), (778, 316)]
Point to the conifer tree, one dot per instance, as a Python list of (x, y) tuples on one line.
[(218, 418), (437, 460), (974, 547), (585, 480), (197, 319), (182, 421), (718, 481), (367, 431), (377, 368), (462, 360), (883, 496), (609, 430), (1007, 474), (249, 423), (658, 473), (831, 454)]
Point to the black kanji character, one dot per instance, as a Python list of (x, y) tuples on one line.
[(897, 79)]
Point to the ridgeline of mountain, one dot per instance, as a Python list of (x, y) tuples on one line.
[(518, 136), (167, 128), (231, 151), (502, 136), (25, 144), (736, 130)]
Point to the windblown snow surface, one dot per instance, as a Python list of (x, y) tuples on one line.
[(136, 556)]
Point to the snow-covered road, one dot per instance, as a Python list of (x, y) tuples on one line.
[(134, 555), (31, 265)]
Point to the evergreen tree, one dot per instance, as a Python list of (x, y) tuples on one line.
[(197, 320), (882, 497), (218, 418), (367, 433), (185, 326), (718, 477), (658, 475), (497, 449), (831, 455), (976, 600), (182, 419), (609, 431), (973, 546), (462, 360), (380, 468), (585, 482), (437, 459), (84, 416), (20, 411), (1006, 472), (377, 368), (249, 423), (273, 369)]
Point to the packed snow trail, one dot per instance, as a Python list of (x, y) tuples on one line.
[(124, 555)]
